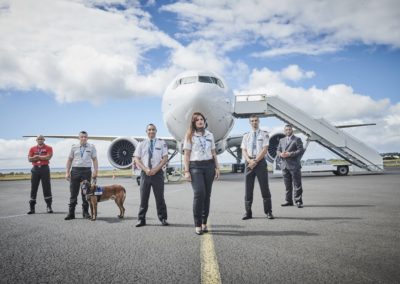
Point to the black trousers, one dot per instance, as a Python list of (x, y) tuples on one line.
[(41, 173), (78, 174), (202, 180), (157, 183), (293, 178), (260, 171)]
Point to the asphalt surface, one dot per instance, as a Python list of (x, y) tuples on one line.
[(348, 232)]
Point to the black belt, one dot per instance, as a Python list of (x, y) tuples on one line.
[(41, 166), (82, 168), (201, 163)]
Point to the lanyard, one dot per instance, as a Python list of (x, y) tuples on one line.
[(39, 150), (82, 150), (203, 143)]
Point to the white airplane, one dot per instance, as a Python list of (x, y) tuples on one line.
[(191, 91)]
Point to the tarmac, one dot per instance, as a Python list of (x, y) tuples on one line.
[(347, 232)]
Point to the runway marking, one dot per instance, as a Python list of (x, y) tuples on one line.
[(209, 263), (12, 216)]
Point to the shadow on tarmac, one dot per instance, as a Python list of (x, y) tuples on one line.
[(318, 218), (238, 233), (340, 205)]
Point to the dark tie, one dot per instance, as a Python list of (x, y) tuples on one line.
[(150, 153)]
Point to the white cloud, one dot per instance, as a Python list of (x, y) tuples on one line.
[(291, 26), (339, 104), (294, 73), (79, 52)]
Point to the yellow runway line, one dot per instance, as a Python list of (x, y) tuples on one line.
[(209, 264)]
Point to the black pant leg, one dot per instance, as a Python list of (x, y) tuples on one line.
[(74, 187), (262, 177), (145, 187), (35, 180), (157, 182), (199, 193), (46, 185), (249, 185), (287, 179), (209, 175), (298, 188)]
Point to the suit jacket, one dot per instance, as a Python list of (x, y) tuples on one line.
[(295, 149)]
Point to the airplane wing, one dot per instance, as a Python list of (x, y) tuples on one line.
[(171, 142), (102, 138)]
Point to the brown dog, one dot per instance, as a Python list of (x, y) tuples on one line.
[(115, 191)]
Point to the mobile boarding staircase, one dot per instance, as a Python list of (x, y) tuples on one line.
[(318, 130)]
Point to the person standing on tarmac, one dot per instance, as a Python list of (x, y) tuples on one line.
[(40, 156), (150, 156), (254, 148), (201, 168), (80, 158)]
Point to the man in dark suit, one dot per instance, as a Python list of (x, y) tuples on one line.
[(290, 150)]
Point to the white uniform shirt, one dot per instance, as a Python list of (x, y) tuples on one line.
[(160, 150), (82, 155), (201, 146), (262, 140)]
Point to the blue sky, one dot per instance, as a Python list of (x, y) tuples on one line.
[(102, 66)]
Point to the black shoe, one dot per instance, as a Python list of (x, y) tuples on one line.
[(31, 208), (70, 217), (270, 216), (247, 216), (287, 204), (141, 223), (299, 205), (49, 210), (86, 215), (164, 222)]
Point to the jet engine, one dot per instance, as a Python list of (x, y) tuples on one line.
[(273, 146), (121, 151)]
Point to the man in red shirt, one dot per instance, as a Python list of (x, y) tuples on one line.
[(40, 156)]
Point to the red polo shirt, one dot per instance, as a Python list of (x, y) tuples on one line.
[(41, 151)]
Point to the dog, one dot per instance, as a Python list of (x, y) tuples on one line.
[(115, 192)]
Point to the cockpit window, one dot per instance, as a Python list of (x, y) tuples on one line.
[(202, 79), (188, 80), (184, 81), (211, 80), (205, 79)]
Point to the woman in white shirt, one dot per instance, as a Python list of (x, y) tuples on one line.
[(201, 168)]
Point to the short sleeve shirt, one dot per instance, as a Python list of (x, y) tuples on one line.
[(41, 151), (82, 155), (160, 150), (200, 146), (262, 140)]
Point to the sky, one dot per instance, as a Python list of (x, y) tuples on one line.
[(102, 66)]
